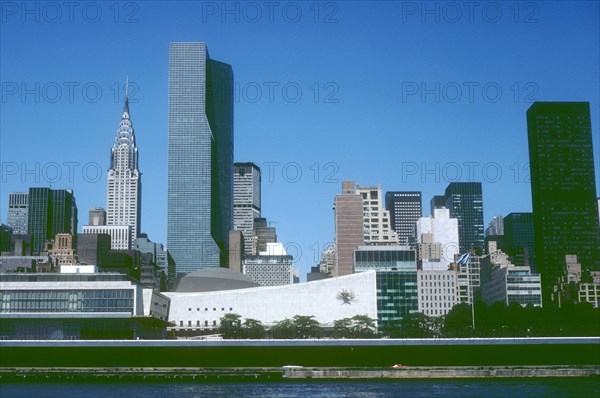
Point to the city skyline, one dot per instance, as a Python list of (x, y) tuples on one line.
[(303, 161)]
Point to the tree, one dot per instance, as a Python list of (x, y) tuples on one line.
[(253, 329), (230, 326), (363, 326), (458, 321), (306, 326), (342, 328), (417, 325), (284, 329)]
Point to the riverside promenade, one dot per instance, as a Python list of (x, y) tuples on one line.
[(554, 352)]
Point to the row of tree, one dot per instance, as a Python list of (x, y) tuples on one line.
[(298, 327), (499, 320), (496, 320)]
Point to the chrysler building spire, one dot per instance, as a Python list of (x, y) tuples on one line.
[(124, 177)]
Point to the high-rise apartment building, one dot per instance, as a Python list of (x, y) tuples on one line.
[(50, 212), (17, 212), (348, 208), (246, 200), (200, 158), (123, 197), (405, 209), (563, 188), (377, 227), (465, 202), (97, 216)]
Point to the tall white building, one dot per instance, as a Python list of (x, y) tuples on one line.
[(437, 238), (124, 179), (376, 220), (246, 201), (18, 212)]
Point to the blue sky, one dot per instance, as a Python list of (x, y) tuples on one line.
[(409, 95)]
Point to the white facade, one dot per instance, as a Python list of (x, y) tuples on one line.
[(124, 180), (437, 237), (321, 299), (120, 235), (78, 269), (376, 220), (438, 292)]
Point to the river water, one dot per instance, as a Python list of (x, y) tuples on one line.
[(550, 387)]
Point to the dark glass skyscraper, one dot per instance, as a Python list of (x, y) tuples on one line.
[(465, 202), (50, 212), (405, 209), (519, 239), (200, 161), (563, 188)]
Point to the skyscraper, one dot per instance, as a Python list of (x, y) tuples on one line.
[(563, 188), (465, 202), (97, 216), (376, 220), (246, 200), (200, 159), (124, 191), (348, 208), (437, 202), (50, 212), (17, 212), (519, 241), (405, 209)]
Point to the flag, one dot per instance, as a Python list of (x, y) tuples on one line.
[(464, 259)]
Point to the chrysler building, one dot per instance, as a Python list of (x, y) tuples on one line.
[(124, 179)]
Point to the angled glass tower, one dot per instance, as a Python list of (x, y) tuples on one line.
[(200, 160), (563, 189), (465, 202), (123, 197)]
